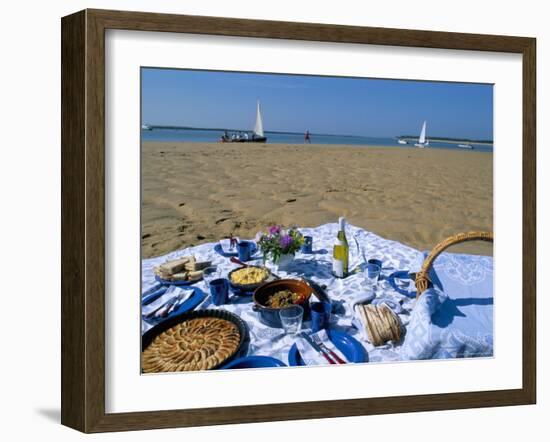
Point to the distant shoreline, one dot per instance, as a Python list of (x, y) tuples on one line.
[(222, 129), (450, 141), (313, 134)]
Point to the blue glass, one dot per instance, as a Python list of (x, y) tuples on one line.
[(219, 289), (244, 250), (307, 247), (320, 315), (372, 274), (375, 261)]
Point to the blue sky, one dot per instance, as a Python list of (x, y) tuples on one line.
[(333, 105)]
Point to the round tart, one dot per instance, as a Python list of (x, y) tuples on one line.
[(199, 343)]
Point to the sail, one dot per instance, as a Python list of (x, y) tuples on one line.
[(258, 127), (422, 138)]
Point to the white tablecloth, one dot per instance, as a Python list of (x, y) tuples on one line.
[(269, 341)]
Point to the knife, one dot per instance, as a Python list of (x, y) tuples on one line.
[(316, 347)]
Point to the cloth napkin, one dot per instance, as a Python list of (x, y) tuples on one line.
[(172, 292), (352, 301), (309, 354), (440, 330), (361, 298)]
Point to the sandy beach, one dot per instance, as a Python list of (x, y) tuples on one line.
[(194, 193)]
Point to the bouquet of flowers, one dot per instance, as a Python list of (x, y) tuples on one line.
[(278, 242)]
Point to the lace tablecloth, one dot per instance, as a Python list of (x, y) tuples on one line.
[(343, 293)]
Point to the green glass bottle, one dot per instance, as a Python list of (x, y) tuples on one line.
[(340, 254)]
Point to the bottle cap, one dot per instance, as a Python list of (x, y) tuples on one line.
[(342, 222)]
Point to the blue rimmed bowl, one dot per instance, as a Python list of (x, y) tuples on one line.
[(247, 289), (253, 362)]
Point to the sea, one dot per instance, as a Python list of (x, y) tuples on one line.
[(213, 135)]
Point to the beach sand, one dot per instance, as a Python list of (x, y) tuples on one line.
[(193, 193)]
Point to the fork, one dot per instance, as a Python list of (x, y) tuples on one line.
[(163, 309), (323, 347)]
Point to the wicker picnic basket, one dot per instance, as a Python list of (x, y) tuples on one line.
[(422, 281)]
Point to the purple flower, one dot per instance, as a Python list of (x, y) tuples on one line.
[(285, 241), (274, 230)]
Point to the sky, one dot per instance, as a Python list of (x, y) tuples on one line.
[(325, 105)]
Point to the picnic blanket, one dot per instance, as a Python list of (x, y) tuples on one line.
[(344, 293), (455, 317)]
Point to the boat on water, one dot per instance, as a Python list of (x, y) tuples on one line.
[(466, 146), (146, 127), (422, 141), (257, 135), (402, 141)]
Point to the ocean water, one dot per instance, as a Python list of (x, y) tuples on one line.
[(213, 135)]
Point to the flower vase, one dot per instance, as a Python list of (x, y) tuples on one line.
[(284, 261)]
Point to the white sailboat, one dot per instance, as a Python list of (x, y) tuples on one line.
[(422, 142), (257, 133)]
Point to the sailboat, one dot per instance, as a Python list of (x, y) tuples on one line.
[(422, 142), (257, 134)]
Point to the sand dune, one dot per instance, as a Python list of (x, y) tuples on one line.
[(200, 192)]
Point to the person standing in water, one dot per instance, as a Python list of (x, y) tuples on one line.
[(307, 138)]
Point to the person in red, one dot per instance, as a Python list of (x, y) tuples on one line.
[(307, 138)]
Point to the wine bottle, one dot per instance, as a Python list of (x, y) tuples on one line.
[(340, 254)]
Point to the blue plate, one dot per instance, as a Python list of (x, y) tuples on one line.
[(401, 274), (153, 294), (218, 249), (253, 362), (178, 283), (348, 345), (195, 299)]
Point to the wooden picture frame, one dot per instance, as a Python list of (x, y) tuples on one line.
[(83, 219)]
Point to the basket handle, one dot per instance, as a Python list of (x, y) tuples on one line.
[(422, 281)]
